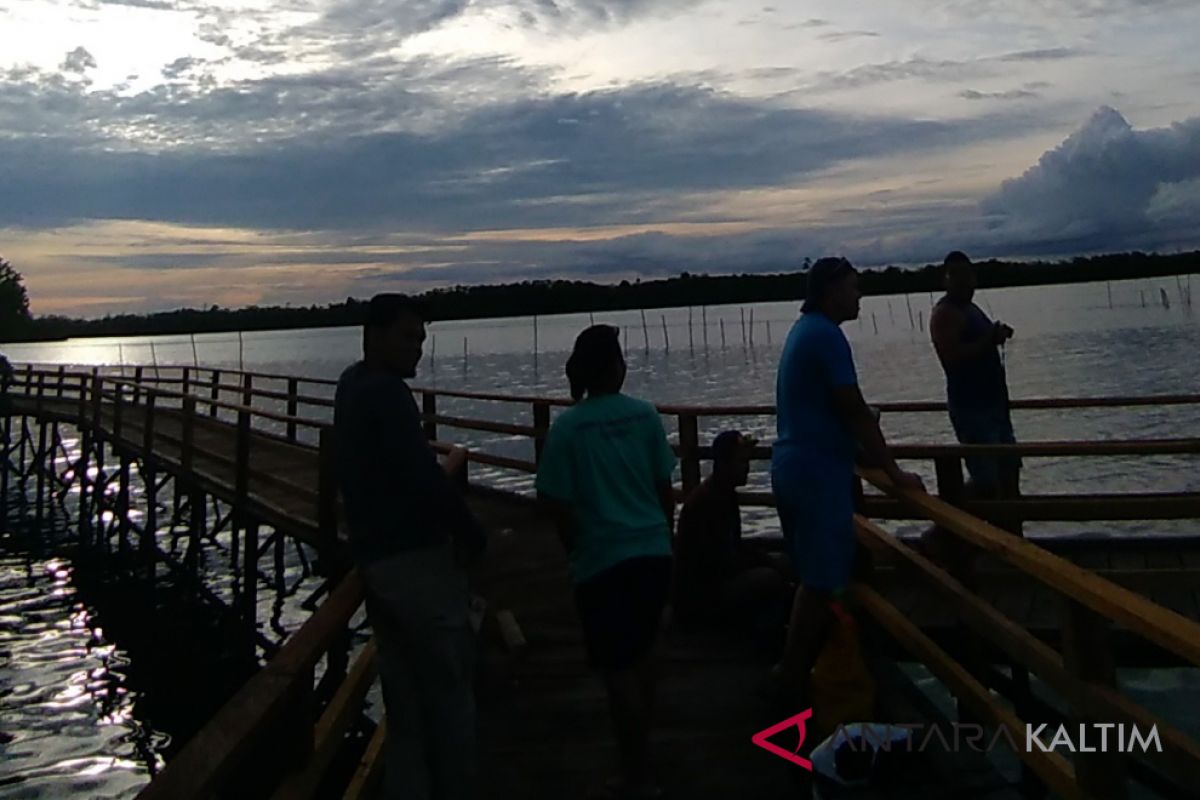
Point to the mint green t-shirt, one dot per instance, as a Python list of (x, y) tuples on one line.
[(603, 457)]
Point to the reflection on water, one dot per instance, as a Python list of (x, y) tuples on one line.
[(67, 714)]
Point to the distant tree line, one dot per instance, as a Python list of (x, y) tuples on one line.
[(562, 296)]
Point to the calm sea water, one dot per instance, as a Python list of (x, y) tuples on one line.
[(92, 687)]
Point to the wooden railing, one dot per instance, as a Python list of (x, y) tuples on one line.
[(1083, 673)]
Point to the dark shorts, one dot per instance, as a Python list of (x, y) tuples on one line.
[(620, 609), (985, 426)]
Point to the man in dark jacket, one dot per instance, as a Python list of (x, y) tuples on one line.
[(410, 533)]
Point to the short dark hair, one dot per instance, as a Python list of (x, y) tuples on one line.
[(824, 273), (384, 309), (596, 350), (955, 259)]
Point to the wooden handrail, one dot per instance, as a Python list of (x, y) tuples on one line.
[(1172, 631)]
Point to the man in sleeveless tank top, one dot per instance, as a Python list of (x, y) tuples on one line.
[(968, 345)]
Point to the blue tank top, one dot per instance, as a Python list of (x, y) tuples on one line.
[(980, 383)]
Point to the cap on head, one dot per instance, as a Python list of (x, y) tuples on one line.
[(826, 272)]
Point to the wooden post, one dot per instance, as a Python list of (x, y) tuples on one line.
[(292, 407), (196, 501), (97, 508), (327, 490), (216, 392), (541, 424), (241, 483), (149, 543), (689, 455), (250, 581), (137, 389), (429, 411), (4, 467), (85, 453), (248, 389), (186, 385), (1088, 656), (949, 479), (62, 379), (666, 336), (39, 465)]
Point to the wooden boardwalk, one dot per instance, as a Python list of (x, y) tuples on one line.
[(544, 725)]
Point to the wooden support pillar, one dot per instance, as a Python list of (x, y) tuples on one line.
[(1088, 656), (196, 499), (327, 489), (541, 424), (250, 581), (215, 393), (247, 389), (241, 484), (137, 388), (293, 404), (7, 465), (62, 380), (689, 451), (43, 454), (429, 410), (149, 543), (186, 383)]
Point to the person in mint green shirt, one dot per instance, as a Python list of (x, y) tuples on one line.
[(605, 471)]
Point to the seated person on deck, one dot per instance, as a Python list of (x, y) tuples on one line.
[(721, 580)]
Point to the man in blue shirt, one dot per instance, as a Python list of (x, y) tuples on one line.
[(822, 422), (410, 533)]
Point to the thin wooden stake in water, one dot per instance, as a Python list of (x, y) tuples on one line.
[(666, 337), (742, 311), (645, 331), (921, 321), (591, 318), (241, 352), (433, 353), (722, 333), (154, 361), (768, 333), (691, 340), (1110, 294), (875, 323), (121, 358), (1166, 301), (704, 324), (535, 338), (464, 354), (891, 314), (908, 302), (752, 327), (1143, 294), (195, 355)]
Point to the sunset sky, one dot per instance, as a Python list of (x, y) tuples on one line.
[(166, 153)]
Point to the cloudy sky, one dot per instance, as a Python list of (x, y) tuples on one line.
[(160, 153)]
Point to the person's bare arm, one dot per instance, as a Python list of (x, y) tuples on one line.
[(853, 409), (945, 328)]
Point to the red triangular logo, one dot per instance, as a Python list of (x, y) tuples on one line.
[(797, 721)]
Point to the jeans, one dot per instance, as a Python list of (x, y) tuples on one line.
[(985, 426), (417, 604)]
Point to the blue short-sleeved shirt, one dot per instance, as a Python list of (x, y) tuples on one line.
[(604, 457), (816, 359)]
